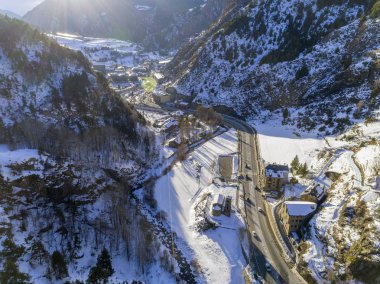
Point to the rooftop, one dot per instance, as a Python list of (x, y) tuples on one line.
[(300, 208), (219, 199), (275, 170)]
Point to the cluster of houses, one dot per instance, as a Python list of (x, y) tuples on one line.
[(192, 131), (293, 214)]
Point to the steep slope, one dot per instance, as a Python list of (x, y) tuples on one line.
[(48, 93), (156, 24), (71, 153), (320, 58)]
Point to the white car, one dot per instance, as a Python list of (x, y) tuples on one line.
[(261, 210), (254, 234)]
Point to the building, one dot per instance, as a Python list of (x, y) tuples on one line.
[(217, 205), (161, 97), (294, 213), (228, 168), (159, 78), (174, 142), (180, 104), (276, 176), (313, 193), (100, 68)]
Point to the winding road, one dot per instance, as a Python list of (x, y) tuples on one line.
[(263, 247)]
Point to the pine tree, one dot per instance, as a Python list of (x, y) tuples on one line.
[(303, 170), (285, 115), (295, 164), (11, 274), (102, 270), (58, 265)]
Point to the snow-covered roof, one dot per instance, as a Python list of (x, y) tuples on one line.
[(219, 199), (158, 76), (274, 170), (315, 190), (300, 208)]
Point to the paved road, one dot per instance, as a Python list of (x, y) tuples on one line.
[(264, 247)]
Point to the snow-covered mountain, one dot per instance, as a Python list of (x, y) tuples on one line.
[(71, 152), (47, 90), (319, 59), (156, 24)]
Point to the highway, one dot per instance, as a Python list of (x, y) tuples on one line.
[(263, 247)]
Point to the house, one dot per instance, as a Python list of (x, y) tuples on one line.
[(174, 142), (161, 97), (180, 104), (276, 176), (100, 68), (228, 168), (313, 193), (294, 213), (159, 77), (169, 125), (377, 186), (217, 205)]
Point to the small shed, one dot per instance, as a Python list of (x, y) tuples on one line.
[(217, 204), (161, 97), (160, 78)]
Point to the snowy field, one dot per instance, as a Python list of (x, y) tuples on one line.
[(106, 51), (280, 144), (217, 251)]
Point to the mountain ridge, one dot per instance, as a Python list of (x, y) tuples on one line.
[(268, 56)]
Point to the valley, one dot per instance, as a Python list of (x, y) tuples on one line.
[(236, 142)]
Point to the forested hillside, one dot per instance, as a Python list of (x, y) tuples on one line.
[(317, 60), (71, 153)]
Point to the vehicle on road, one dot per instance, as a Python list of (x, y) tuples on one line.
[(248, 166), (267, 267), (247, 177), (257, 188), (254, 234), (261, 210), (249, 200)]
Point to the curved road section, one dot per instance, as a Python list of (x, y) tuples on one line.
[(265, 256)]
